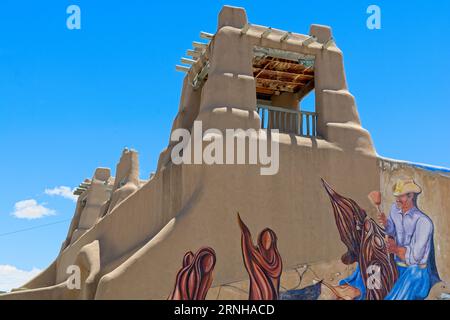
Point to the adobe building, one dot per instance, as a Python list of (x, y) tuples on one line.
[(129, 235)]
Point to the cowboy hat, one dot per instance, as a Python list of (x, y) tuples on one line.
[(402, 187)]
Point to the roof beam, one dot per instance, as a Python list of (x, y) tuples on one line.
[(278, 85), (281, 75), (181, 68), (265, 91), (295, 57), (279, 66), (199, 45), (187, 61), (206, 35), (305, 90), (193, 53), (281, 80)]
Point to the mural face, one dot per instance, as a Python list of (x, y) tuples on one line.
[(396, 261)]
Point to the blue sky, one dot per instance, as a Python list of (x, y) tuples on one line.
[(71, 100)]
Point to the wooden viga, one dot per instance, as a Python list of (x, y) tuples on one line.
[(366, 244), (262, 262), (194, 278)]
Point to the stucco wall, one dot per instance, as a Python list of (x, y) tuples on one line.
[(133, 222), (292, 203)]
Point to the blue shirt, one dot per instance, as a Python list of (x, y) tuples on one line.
[(412, 230)]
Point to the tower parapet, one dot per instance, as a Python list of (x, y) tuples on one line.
[(245, 65)]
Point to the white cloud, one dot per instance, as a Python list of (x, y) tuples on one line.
[(11, 277), (30, 209), (62, 191)]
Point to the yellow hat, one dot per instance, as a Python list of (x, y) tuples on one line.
[(405, 186)]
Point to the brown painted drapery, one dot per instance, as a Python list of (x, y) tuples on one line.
[(349, 219), (366, 244), (195, 276), (374, 258), (263, 263)]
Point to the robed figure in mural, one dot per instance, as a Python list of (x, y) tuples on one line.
[(411, 241), (262, 262)]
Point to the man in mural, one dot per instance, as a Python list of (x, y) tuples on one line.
[(411, 241)]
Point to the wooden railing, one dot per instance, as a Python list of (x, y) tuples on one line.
[(302, 123)]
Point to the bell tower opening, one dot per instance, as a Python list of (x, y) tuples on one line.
[(283, 80)]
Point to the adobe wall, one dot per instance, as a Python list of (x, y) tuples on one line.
[(292, 203), (134, 221)]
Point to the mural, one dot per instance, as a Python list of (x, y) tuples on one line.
[(396, 261), (262, 262), (394, 258), (195, 276)]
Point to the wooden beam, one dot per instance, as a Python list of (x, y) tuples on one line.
[(206, 35), (256, 74), (188, 61), (199, 45), (309, 71), (278, 85), (279, 66), (305, 90), (281, 75), (265, 91), (182, 68), (266, 76), (193, 53)]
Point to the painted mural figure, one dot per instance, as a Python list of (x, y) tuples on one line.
[(194, 278), (262, 262), (411, 241), (376, 260)]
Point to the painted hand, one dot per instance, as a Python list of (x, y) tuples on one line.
[(382, 219), (392, 246)]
